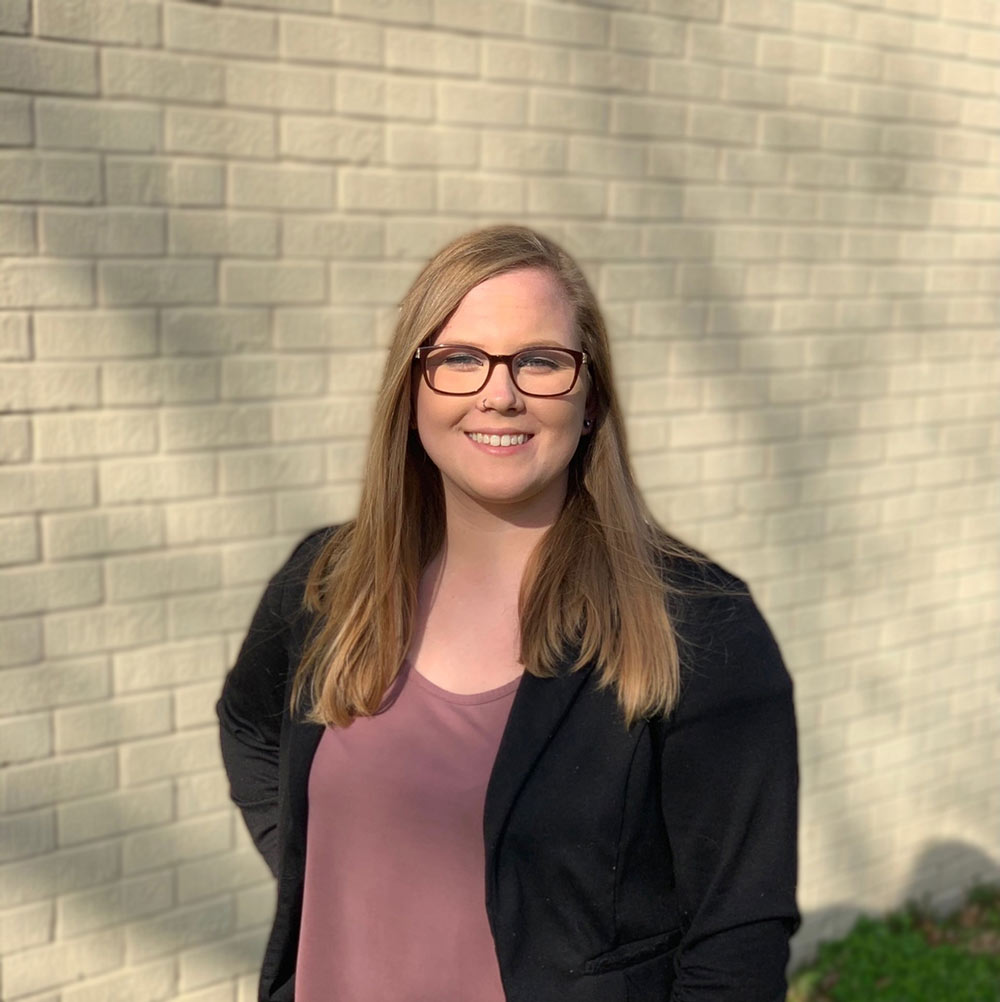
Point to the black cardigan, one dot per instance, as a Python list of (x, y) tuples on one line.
[(622, 865)]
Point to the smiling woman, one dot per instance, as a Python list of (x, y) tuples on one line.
[(501, 736)]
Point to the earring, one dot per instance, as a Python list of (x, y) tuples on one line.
[(587, 423)]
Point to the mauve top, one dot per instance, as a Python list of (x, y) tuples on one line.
[(394, 904)]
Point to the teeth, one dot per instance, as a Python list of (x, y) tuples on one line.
[(501, 440)]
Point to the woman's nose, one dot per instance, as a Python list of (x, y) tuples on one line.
[(500, 393)]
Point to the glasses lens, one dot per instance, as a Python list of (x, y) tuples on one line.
[(456, 369), (544, 371)]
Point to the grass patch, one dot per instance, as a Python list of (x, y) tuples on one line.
[(911, 956)]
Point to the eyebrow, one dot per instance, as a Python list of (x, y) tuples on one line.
[(542, 343)]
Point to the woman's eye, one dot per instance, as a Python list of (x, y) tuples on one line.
[(537, 363), (459, 360)]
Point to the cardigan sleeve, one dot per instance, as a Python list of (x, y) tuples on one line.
[(252, 704), (729, 794)]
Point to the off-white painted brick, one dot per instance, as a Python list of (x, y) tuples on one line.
[(40, 589), (482, 103), (281, 187), (642, 201), (27, 283), (49, 177), (162, 77), (15, 446), (331, 139), (160, 758), (194, 706), (105, 232), (198, 794), (202, 879), (253, 562), (392, 97), (331, 237), (419, 146), (356, 282), (17, 229), (103, 433), (15, 18), (688, 81), (405, 11), (392, 191), (86, 125), (220, 133), (311, 422), (114, 813), (148, 983), (14, 340), (431, 52), (131, 578), (57, 873), (654, 35), (157, 479), (219, 519), (202, 615), (638, 117), (550, 196), (526, 151), (484, 194), (28, 833), (523, 62), (22, 928), (214, 332), (282, 282), (566, 111), (486, 17), (131, 283), (123, 23), (96, 533), (613, 71), (568, 26), (25, 738), (309, 330), (124, 900), (47, 67), (159, 381), (302, 511), (104, 627), (264, 378), (45, 488), (201, 966), (214, 427), (355, 372), (59, 963), (226, 32), (168, 666), (40, 783), (15, 120), (162, 182), (345, 460), (321, 40), (281, 88)]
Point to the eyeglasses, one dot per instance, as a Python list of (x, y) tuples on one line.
[(458, 370)]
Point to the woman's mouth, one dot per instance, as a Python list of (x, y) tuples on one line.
[(501, 440)]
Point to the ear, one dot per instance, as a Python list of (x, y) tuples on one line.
[(589, 414)]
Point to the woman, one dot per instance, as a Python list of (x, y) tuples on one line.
[(501, 737)]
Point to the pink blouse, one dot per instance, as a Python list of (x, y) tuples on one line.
[(394, 904)]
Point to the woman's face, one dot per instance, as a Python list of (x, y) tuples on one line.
[(508, 313)]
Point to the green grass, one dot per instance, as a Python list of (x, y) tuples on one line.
[(912, 956)]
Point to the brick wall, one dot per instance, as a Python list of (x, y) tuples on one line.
[(207, 212)]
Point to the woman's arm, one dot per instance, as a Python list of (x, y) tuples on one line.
[(252, 704), (730, 791)]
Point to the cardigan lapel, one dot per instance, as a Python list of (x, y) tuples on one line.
[(539, 707)]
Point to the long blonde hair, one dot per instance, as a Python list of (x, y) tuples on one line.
[(593, 590)]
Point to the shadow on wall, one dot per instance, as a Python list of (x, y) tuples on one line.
[(941, 875)]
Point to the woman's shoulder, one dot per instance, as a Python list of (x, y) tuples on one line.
[(726, 646), (289, 581)]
